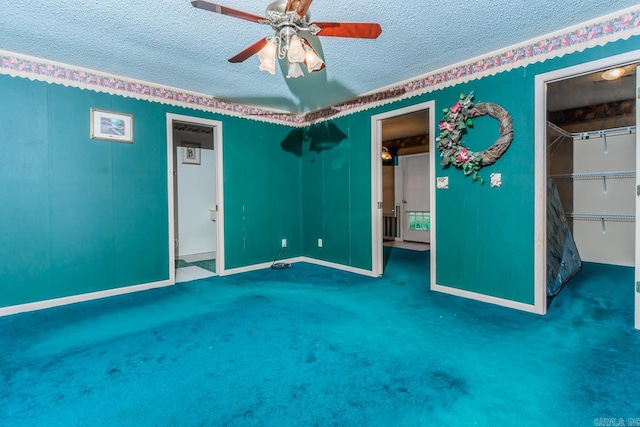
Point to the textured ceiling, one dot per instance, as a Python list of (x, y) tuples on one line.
[(171, 43)]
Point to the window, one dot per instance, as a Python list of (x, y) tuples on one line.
[(419, 221)]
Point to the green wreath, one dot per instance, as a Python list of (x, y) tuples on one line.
[(457, 120)]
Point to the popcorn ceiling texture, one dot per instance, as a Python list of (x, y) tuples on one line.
[(170, 43)]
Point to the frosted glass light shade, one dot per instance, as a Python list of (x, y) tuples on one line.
[(313, 61), (296, 51), (295, 70), (267, 57)]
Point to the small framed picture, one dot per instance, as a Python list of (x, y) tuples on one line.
[(111, 126), (190, 153)]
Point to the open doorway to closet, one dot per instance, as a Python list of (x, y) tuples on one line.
[(194, 146), (402, 165), (590, 174)]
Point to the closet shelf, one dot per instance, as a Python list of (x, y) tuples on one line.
[(602, 216), (595, 175), (604, 133)]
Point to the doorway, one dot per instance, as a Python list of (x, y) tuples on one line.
[(586, 154), (404, 137), (194, 148)]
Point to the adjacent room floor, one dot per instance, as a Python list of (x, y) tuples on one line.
[(311, 345), (194, 267)]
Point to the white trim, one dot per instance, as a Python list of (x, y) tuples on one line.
[(415, 86), (540, 165), (432, 193), (408, 87), (342, 267), (637, 236), (56, 302), (261, 266), (485, 298), (377, 263), (540, 194), (219, 150), (309, 260), (218, 147)]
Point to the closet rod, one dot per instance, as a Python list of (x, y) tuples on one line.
[(602, 216), (604, 132), (595, 175)]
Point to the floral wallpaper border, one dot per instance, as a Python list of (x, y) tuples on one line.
[(621, 25)]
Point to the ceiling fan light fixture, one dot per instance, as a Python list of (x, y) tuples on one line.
[(613, 74), (295, 70), (312, 60), (296, 51), (287, 18), (267, 57)]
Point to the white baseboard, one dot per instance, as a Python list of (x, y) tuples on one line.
[(339, 266), (486, 298), (300, 259), (255, 267), (40, 305)]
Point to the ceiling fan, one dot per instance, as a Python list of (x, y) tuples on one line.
[(290, 21)]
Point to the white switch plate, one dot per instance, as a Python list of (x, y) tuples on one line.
[(496, 180), (319, 243), (442, 182)]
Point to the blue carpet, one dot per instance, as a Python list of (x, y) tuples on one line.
[(312, 346)]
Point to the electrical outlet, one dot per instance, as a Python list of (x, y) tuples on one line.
[(284, 243), (319, 243)]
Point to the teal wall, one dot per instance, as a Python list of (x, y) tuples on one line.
[(336, 197), (485, 236), (81, 215), (262, 193)]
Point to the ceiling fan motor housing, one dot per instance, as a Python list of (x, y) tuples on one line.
[(279, 6)]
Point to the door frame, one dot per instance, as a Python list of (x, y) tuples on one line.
[(540, 170), (377, 263), (218, 145)]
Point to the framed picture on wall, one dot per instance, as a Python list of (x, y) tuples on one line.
[(111, 126), (190, 153)]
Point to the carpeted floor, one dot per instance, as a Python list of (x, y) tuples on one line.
[(312, 346)]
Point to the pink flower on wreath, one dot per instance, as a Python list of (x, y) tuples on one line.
[(456, 107), (444, 125), (463, 156)]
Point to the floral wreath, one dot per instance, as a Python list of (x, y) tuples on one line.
[(457, 120)]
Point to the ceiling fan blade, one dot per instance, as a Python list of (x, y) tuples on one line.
[(359, 30), (298, 6), (217, 8), (250, 51)]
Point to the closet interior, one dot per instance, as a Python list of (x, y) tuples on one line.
[(591, 168)]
